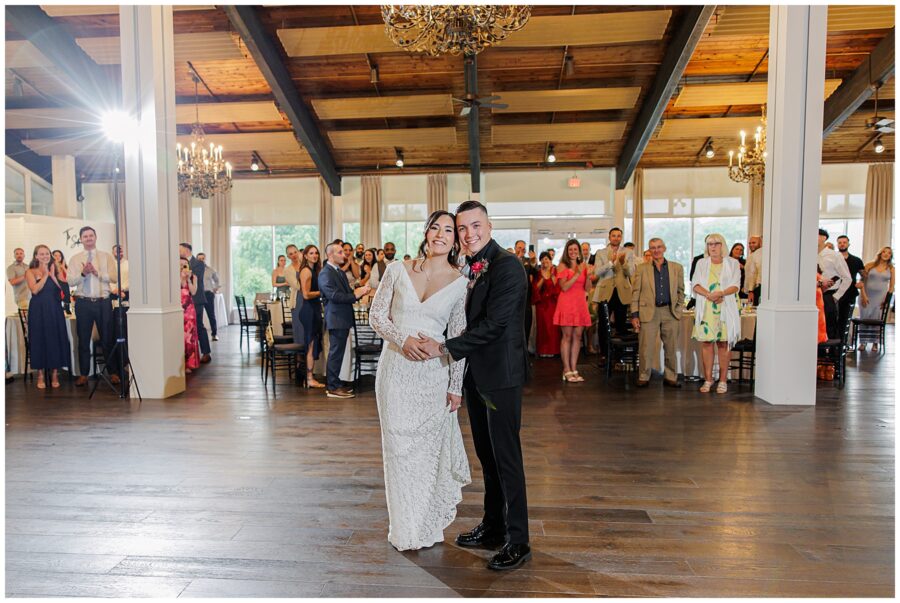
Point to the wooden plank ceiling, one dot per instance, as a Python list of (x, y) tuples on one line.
[(370, 98)]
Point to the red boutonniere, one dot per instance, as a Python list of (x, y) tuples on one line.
[(476, 269)]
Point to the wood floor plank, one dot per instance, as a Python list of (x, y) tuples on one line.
[(227, 491)]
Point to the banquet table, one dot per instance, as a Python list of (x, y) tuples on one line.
[(688, 349), (15, 345)]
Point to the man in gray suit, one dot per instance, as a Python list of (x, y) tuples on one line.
[(657, 302)]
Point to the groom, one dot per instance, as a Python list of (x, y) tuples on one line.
[(494, 343)]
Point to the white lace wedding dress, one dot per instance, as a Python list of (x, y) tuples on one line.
[(425, 464)]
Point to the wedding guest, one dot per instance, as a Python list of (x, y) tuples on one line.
[(191, 335), (350, 268), (62, 273), (292, 275), (211, 286), (15, 274), (545, 292), (717, 321), (529, 262), (339, 299), (366, 266), (307, 315), (279, 280), (878, 280), (737, 252), (656, 306), (572, 314), (835, 272), (855, 265), (753, 271), (390, 253), (90, 273), (613, 269), (48, 336), (199, 270)]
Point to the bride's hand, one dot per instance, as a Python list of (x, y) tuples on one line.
[(454, 401), (413, 350)]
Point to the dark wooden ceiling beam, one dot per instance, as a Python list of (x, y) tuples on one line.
[(856, 89), (262, 48), (681, 48), (94, 86), (471, 74)]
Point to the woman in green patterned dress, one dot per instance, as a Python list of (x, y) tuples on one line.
[(717, 321)]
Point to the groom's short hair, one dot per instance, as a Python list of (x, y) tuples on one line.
[(469, 206)]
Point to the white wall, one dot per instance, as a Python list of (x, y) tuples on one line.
[(27, 231)]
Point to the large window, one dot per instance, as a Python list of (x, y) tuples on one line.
[(254, 250)]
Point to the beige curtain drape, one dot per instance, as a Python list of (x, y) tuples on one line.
[(219, 254), (184, 217), (370, 212), (437, 193), (879, 209), (326, 217), (755, 221), (123, 232), (638, 205)]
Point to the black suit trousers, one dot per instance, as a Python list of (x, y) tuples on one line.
[(496, 418)]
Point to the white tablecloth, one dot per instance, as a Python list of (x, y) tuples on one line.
[(689, 363), (220, 310), (15, 345)]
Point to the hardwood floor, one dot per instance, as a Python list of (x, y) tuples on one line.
[(226, 491)]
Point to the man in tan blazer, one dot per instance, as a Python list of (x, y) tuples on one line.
[(657, 302), (613, 268)]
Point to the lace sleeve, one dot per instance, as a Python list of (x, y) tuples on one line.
[(380, 311), (455, 329)]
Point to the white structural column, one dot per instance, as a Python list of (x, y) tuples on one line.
[(65, 203), (155, 319), (788, 318)]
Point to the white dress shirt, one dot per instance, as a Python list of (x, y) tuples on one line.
[(753, 271), (834, 265), (92, 285)]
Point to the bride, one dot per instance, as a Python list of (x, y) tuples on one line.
[(425, 464)]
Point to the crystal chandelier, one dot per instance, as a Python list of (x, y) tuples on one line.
[(751, 163), (457, 29), (201, 169)]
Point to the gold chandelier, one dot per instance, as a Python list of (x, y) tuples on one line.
[(457, 29), (202, 171), (751, 163)]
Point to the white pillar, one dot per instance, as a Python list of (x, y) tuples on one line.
[(155, 319), (65, 203), (788, 318)]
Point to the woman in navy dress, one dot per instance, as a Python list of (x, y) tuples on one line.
[(308, 311), (48, 337)]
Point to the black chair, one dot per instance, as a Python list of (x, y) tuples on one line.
[(746, 360), (276, 356), (834, 353), (246, 323), (618, 348), (367, 343), (872, 326), (23, 320)]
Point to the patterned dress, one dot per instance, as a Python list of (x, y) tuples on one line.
[(191, 338), (712, 327)]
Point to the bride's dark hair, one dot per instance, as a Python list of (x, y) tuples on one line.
[(454, 251)]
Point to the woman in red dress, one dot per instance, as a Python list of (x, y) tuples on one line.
[(545, 291), (572, 314), (191, 337)]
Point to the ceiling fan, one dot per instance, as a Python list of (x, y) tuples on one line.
[(470, 100)]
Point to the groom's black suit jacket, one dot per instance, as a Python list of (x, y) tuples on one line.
[(494, 341)]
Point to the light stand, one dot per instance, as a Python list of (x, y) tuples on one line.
[(126, 378)]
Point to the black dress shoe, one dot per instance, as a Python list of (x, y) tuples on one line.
[(510, 557), (482, 536)]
